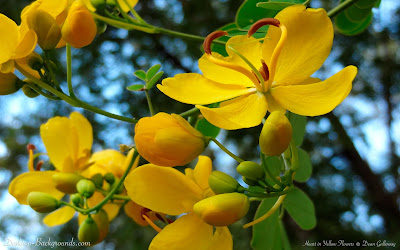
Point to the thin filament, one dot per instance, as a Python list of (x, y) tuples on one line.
[(151, 223), (275, 54)]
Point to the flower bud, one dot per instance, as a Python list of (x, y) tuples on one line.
[(66, 182), (79, 28), (46, 28), (111, 3), (109, 178), (223, 209), (103, 223), (28, 91), (249, 182), (101, 27), (168, 140), (251, 170), (222, 183), (88, 231), (9, 83), (77, 199), (276, 134), (119, 190), (42, 202), (97, 180), (86, 188), (34, 61)]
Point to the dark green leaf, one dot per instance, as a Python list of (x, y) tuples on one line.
[(365, 4), (285, 239), (377, 4), (299, 127), (355, 14), (140, 74), (274, 5), (267, 234), (152, 71), (206, 128), (232, 29), (274, 165), (153, 80), (346, 27), (301, 208), (303, 173), (136, 87), (248, 13)]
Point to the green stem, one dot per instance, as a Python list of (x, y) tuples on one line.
[(189, 112), (110, 195), (134, 13), (115, 196), (150, 104), (183, 35), (69, 70), (39, 91), (50, 68), (295, 156), (235, 157), (341, 7), (306, 2)]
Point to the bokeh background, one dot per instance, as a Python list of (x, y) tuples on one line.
[(354, 150)]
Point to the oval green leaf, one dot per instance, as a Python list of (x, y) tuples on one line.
[(303, 173), (301, 208)]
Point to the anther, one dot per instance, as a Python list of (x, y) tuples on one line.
[(211, 37), (30, 147), (39, 165), (262, 22), (144, 212), (264, 70)]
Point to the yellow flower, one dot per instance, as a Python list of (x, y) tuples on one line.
[(16, 42), (9, 83), (168, 140), (168, 191), (122, 3), (296, 45)]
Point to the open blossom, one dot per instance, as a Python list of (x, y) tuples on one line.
[(296, 45), (169, 191)]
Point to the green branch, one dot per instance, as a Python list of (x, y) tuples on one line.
[(341, 7), (69, 70), (235, 157)]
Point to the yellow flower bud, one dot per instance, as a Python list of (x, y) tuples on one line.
[(88, 231), (222, 209), (276, 134), (86, 188), (9, 83), (251, 170), (66, 182), (168, 140), (222, 183), (46, 28), (79, 28), (42, 202)]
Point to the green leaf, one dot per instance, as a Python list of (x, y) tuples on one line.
[(285, 239), (303, 173), (233, 30), (377, 4), (299, 127), (267, 235), (136, 87), (140, 74), (152, 71), (349, 28), (206, 128), (153, 80), (248, 13), (274, 5), (365, 4), (355, 14), (301, 208), (274, 165)]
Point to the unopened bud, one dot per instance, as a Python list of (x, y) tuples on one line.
[(34, 61), (251, 170), (109, 178), (101, 27), (42, 202), (276, 134), (66, 182), (223, 209), (86, 188), (88, 231), (222, 183), (249, 182), (46, 28), (9, 83), (77, 199), (103, 223), (28, 91), (97, 180)]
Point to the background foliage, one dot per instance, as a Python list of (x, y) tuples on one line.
[(354, 150)]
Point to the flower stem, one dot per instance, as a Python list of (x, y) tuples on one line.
[(341, 7), (235, 157), (269, 213), (69, 70), (150, 104), (189, 112)]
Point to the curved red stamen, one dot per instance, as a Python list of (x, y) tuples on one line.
[(39, 165), (264, 70), (30, 147), (211, 37), (262, 22)]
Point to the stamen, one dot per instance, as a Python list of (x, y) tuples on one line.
[(151, 223), (30, 147), (211, 37), (264, 70), (39, 165), (144, 211), (262, 22)]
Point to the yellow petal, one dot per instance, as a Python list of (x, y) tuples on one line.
[(193, 88), (316, 98), (242, 112), (222, 239), (250, 48), (202, 171), (9, 38), (187, 232), (134, 210), (111, 209), (54, 8), (126, 8), (26, 45), (7, 67), (84, 130), (59, 217), (39, 181), (108, 160), (162, 189), (190, 173), (308, 44), (61, 140)]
